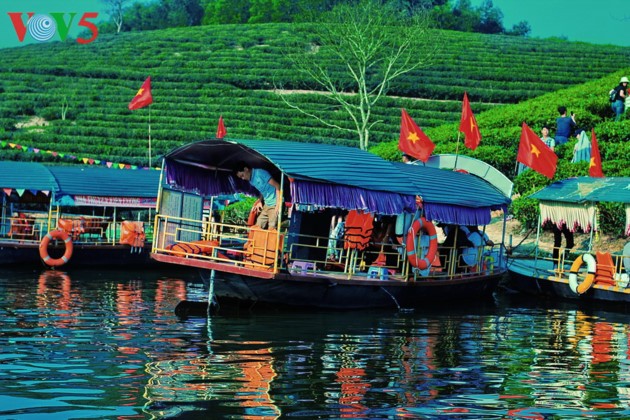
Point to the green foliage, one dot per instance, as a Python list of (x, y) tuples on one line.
[(200, 73), (238, 212), (526, 211), (609, 216)]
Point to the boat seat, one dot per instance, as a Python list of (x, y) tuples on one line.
[(260, 248), (194, 248)]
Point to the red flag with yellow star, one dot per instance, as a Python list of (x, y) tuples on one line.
[(533, 152), (595, 167), (468, 126), (143, 97), (412, 140)]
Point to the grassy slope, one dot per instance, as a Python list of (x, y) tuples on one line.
[(203, 72)]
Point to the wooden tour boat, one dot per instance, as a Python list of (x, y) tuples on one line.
[(585, 273), (355, 231), (80, 216)]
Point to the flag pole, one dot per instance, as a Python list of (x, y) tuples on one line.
[(457, 149), (149, 137)]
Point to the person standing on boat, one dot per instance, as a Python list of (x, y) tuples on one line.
[(269, 189), (564, 126), (557, 239)]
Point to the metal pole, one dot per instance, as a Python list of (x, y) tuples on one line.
[(149, 137)]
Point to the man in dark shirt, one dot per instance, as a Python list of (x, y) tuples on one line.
[(564, 126)]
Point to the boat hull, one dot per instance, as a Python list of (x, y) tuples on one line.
[(536, 277), (330, 293), (12, 254)]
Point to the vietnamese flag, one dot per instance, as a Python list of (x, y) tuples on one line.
[(468, 126), (533, 152), (595, 167), (412, 140), (143, 97), (221, 132)]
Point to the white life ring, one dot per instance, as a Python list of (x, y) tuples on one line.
[(591, 267)]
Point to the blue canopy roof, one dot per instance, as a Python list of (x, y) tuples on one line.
[(309, 161), (26, 175), (68, 181), (334, 176), (587, 190), (451, 187), (106, 182)]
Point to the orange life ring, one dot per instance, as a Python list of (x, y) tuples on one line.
[(591, 266), (43, 248), (253, 214), (427, 227)]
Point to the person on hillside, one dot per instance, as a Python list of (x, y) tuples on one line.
[(406, 158), (582, 148), (269, 189), (549, 141), (618, 105), (564, 126)]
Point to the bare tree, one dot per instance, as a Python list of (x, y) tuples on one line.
[(360, 48), (116, 9)]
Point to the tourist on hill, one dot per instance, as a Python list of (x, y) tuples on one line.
[(269, 193), (582, 148), (564, 126), (549, 141), (621, 94)]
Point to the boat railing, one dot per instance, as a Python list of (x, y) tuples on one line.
[(255, 248), (81, 229), (25, 229)]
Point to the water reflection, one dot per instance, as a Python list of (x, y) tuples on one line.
[(109, 345)]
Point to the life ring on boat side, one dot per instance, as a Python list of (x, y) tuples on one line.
[(427, 227), (253, 213), (43, 248), (591, 267)]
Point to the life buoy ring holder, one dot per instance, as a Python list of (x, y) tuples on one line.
[(421, 224), (591, 267), (43, 248)]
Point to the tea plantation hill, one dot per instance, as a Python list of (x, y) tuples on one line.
[(200, 73)]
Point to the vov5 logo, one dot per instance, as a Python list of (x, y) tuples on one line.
[(43, 27)]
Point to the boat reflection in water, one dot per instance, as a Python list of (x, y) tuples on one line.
[(84, 345)]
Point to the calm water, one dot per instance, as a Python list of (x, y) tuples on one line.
[(108, 345)]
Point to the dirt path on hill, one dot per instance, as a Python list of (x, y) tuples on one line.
[(523, 240)]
